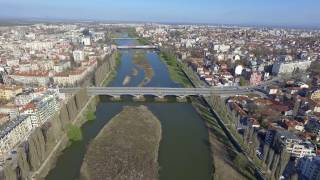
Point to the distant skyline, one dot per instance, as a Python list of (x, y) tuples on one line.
[(303, 13)]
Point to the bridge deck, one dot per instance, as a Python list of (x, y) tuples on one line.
[(124, 38), (157, 91), (137, 47)]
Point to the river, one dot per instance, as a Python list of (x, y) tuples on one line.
[(184, 150)]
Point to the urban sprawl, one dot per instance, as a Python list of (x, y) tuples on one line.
[(282, 123)]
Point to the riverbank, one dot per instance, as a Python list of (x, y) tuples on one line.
[(126, 147), (225, 156), (223, 161), (174, 69), (86, 113)]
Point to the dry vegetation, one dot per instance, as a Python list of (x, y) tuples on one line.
[(141, 61), (126, 148)]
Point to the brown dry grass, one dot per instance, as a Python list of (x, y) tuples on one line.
[(126, 148)]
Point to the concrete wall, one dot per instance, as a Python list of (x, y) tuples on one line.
[(104, 68)]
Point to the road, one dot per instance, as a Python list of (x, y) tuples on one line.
[(161, 91)]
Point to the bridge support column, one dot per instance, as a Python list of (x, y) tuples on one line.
[(139, 98), (160, 99), (116, 98), (182, 99)]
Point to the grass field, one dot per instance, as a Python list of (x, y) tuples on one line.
[(174, 69)]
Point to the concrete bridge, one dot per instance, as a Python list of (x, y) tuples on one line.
[(128, 38), (137, 47), (159, 91)]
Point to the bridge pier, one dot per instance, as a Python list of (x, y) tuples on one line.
[(160, 99), (116, 98), (139, 98), (182, 99)]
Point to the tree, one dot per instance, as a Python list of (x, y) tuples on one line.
[(315, 68), (253, 108), (243, 81), (240, 160), (74, 133)]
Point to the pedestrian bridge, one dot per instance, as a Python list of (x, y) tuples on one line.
[(159, 91), (137, 47)]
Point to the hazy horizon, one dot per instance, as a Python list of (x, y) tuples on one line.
[(294, 13)]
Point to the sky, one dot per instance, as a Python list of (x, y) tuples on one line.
[(246, 12)]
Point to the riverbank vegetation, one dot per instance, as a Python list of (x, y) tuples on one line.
[(225, 157), (118, 58), (91, 116), (228, 118), (126, 148), (174, 68), (143, 41), (74, 133), (140, 59)]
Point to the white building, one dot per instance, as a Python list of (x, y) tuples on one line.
[(295, 146), (86, 41), (78, 55), (14, 132), (238, 70), (10, 109), (61, 66), (39, 45), (221, 48), (25, 98), (42, 109), (39, 78), (75, 76), (302, 149), (290, 67)]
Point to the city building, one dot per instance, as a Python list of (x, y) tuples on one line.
[(13, 132), (8, 92), (309, 168), (78, 56), (255, 78), (42, 108), (40, 78), (10, 109), (295, 146), (238, 70), (86, 41), (290, 67)]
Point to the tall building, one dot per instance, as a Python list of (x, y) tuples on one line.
[(42, 109), (294, 145), (13, 132), (290, 67), (309, 168)]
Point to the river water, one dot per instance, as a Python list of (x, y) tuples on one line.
[(184, 152)]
